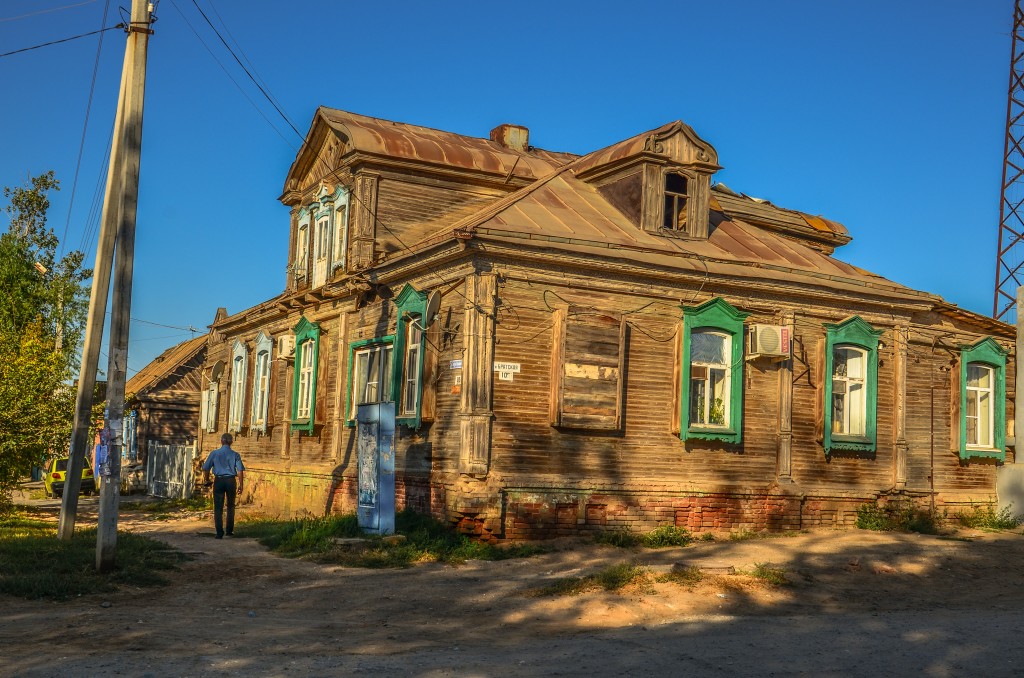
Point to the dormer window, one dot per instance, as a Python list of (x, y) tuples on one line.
[(676, 197)]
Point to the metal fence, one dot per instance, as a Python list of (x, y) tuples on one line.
[(169, 470)]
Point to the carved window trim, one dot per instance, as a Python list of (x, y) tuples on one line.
[(264, 352), (720, 317), (989, 354), (854, 333)]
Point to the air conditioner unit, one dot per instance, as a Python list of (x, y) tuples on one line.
[(769, 340), (285, 346)]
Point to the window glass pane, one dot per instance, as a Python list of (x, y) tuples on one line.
[(698, 400), (359, 372), (386, 373), (857, 424), (718, 404), (675, 183), (985, 419), (978, 376), (708, 348), (838, 412)]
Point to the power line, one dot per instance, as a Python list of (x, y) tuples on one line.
[(226, 72), (46, 11), (239, 61), (57, 42), (85, 128)]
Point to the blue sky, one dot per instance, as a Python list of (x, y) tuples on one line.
[(888, 117)]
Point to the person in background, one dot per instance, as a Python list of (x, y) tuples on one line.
[(229, 474)]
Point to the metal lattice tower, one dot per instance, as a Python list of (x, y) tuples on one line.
[(1010, 256)]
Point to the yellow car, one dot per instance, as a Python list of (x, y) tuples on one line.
[(53, 479)]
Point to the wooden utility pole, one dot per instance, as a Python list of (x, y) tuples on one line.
[(117, 367), (121, 183)]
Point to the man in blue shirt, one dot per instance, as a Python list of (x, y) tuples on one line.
[(229, 473)]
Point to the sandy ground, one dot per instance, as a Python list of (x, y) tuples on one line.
[(858, 604)]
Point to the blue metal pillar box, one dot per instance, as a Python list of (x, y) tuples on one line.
[(375, 450)]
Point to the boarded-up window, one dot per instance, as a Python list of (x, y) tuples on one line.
[(588, 360)]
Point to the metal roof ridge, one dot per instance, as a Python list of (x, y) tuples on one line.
[(893, 286)]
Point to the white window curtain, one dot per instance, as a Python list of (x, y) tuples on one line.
[(261, 382), (239, 360)]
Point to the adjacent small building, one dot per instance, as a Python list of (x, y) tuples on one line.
[(162, 399), (580, 343)]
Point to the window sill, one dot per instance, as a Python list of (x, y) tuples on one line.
[(712, 433), (983, 453), (851, 444)]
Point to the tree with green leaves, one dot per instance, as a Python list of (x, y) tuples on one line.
[(43, 305)]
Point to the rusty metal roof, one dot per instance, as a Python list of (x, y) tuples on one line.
[(562, 212), (413, 142), (164, 365)]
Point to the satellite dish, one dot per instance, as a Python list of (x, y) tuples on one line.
[(433, 306)]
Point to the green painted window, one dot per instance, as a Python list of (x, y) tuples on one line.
[(982, 419), (851, 386), (307, 356), (370, 373), (410, 347), (711, 384)]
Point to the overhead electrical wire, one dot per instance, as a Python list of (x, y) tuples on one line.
[(266, 93), (57, 42), (46, 11), (85, 128), (227, 73), (239, 61)]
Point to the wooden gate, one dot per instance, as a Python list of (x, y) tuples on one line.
[(169, 470)]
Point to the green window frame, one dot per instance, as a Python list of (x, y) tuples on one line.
[(305, 332), (719, 317), (853, 332), (411, 306), (988, 353), (354, 348)]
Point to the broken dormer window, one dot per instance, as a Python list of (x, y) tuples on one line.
[(676, 196)]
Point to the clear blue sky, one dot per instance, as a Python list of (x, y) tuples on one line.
[(885, 116)]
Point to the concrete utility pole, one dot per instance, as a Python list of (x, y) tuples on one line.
[(117, 224), (117, 367)]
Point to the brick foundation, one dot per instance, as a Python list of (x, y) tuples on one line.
[(539, 516)]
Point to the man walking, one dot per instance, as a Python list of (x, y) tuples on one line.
[(229, 474)]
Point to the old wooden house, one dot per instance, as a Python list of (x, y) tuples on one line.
[(163, 399), (619, 344)]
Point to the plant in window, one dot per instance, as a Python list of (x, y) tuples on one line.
[(711, 384)]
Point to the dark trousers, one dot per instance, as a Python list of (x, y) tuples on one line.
[(224, 485)]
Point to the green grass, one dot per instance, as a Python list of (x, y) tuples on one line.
[(611, 578), (660, 537), (986, 517), (425, 540), (773, 576), (35, 564), (895, 517)]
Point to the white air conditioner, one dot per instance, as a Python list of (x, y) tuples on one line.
[(769, 340), (285, 346)]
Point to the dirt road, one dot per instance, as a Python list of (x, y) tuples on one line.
[(858, 604)]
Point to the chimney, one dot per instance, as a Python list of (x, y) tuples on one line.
[(514, 137)]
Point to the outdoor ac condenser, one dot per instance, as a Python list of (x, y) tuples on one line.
[(769, 340), (285, 346)]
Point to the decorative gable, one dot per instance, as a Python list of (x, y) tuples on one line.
[(660, 180)]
